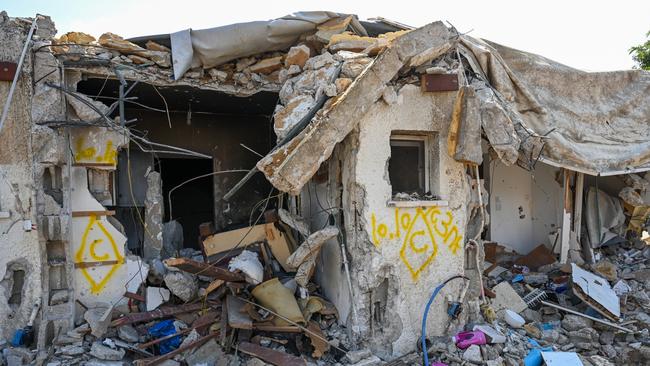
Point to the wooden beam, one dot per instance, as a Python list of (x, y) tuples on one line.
[(270, 355), (204, 269), (587, 251), (566, 217), (95, 165), (94, 264), (93, 213)]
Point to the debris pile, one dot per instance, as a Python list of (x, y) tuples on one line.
[(246, 298), (543, 312)]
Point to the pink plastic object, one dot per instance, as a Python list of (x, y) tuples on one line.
[(439, 364), (466, 339)]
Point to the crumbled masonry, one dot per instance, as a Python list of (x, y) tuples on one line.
[(385, 161)]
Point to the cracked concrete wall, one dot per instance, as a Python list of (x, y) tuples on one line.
[(21, 194), (398, 255)]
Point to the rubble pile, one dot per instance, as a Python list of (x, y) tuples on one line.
[(538, 309), (331, 40), (251, 301)]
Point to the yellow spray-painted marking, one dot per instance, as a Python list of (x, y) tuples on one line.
[(97, 286), (419, 246), (85, 154)]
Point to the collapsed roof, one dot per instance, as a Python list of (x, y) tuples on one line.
[(529, 108)]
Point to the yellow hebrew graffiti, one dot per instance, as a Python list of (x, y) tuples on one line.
[(97, 244), (93, 154), (421, 231)]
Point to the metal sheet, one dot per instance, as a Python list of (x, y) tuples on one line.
[(7, 71), (439, 82)]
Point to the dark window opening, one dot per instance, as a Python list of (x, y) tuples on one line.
[(18, 278), (407, 166), (191, 203)]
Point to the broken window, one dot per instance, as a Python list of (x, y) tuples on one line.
[(408, 164)]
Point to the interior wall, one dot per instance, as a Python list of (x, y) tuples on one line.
[(525, 207)]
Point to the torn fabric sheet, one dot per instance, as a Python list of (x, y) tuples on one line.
[(215, 46), (597, 123)]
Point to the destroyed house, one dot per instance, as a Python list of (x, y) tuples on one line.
[(328, 171)]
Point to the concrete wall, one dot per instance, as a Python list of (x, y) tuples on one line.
[(21, 259), (398, 255)]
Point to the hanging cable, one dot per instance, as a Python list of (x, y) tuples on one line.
[(169, 195)]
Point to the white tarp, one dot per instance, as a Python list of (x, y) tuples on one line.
[(594, 122), (214, 46)]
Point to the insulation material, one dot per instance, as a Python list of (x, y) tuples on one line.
[(248, 263), (214, 46), (604, 218), (588, 122)]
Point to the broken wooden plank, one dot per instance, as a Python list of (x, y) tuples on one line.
[(269, 327), (222, 242), (213, 286), (203, 269), (94, 264), (133, 296), (237, 317), (164, 312), (320, 346), (271, 356), (93, 213), (159, 359)]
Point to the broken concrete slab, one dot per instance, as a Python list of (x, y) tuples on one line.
[(291, 166), (297, 55), (209, 353), (267, 66), (103, 352), (181, 284), (128, 334), (156, 296), (507, 298), (98, 317)]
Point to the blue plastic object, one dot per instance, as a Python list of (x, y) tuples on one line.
[(18, 339), (517, 278), (534, 357), (165, 328), (426, 312)]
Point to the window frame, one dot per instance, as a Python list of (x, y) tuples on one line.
[(426, 140)]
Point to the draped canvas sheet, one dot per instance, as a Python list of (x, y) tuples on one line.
[(597, 123), (215, 46)]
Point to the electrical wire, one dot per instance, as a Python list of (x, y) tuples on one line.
[(426, 313), (169, 194)]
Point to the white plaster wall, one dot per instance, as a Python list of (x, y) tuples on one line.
[(416, 111), (18, 245), (95, 240), (524, 206)]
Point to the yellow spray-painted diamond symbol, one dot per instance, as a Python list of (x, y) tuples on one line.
[(98, 245), (419, 247)]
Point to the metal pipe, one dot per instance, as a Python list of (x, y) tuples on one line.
[(5, 110)]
